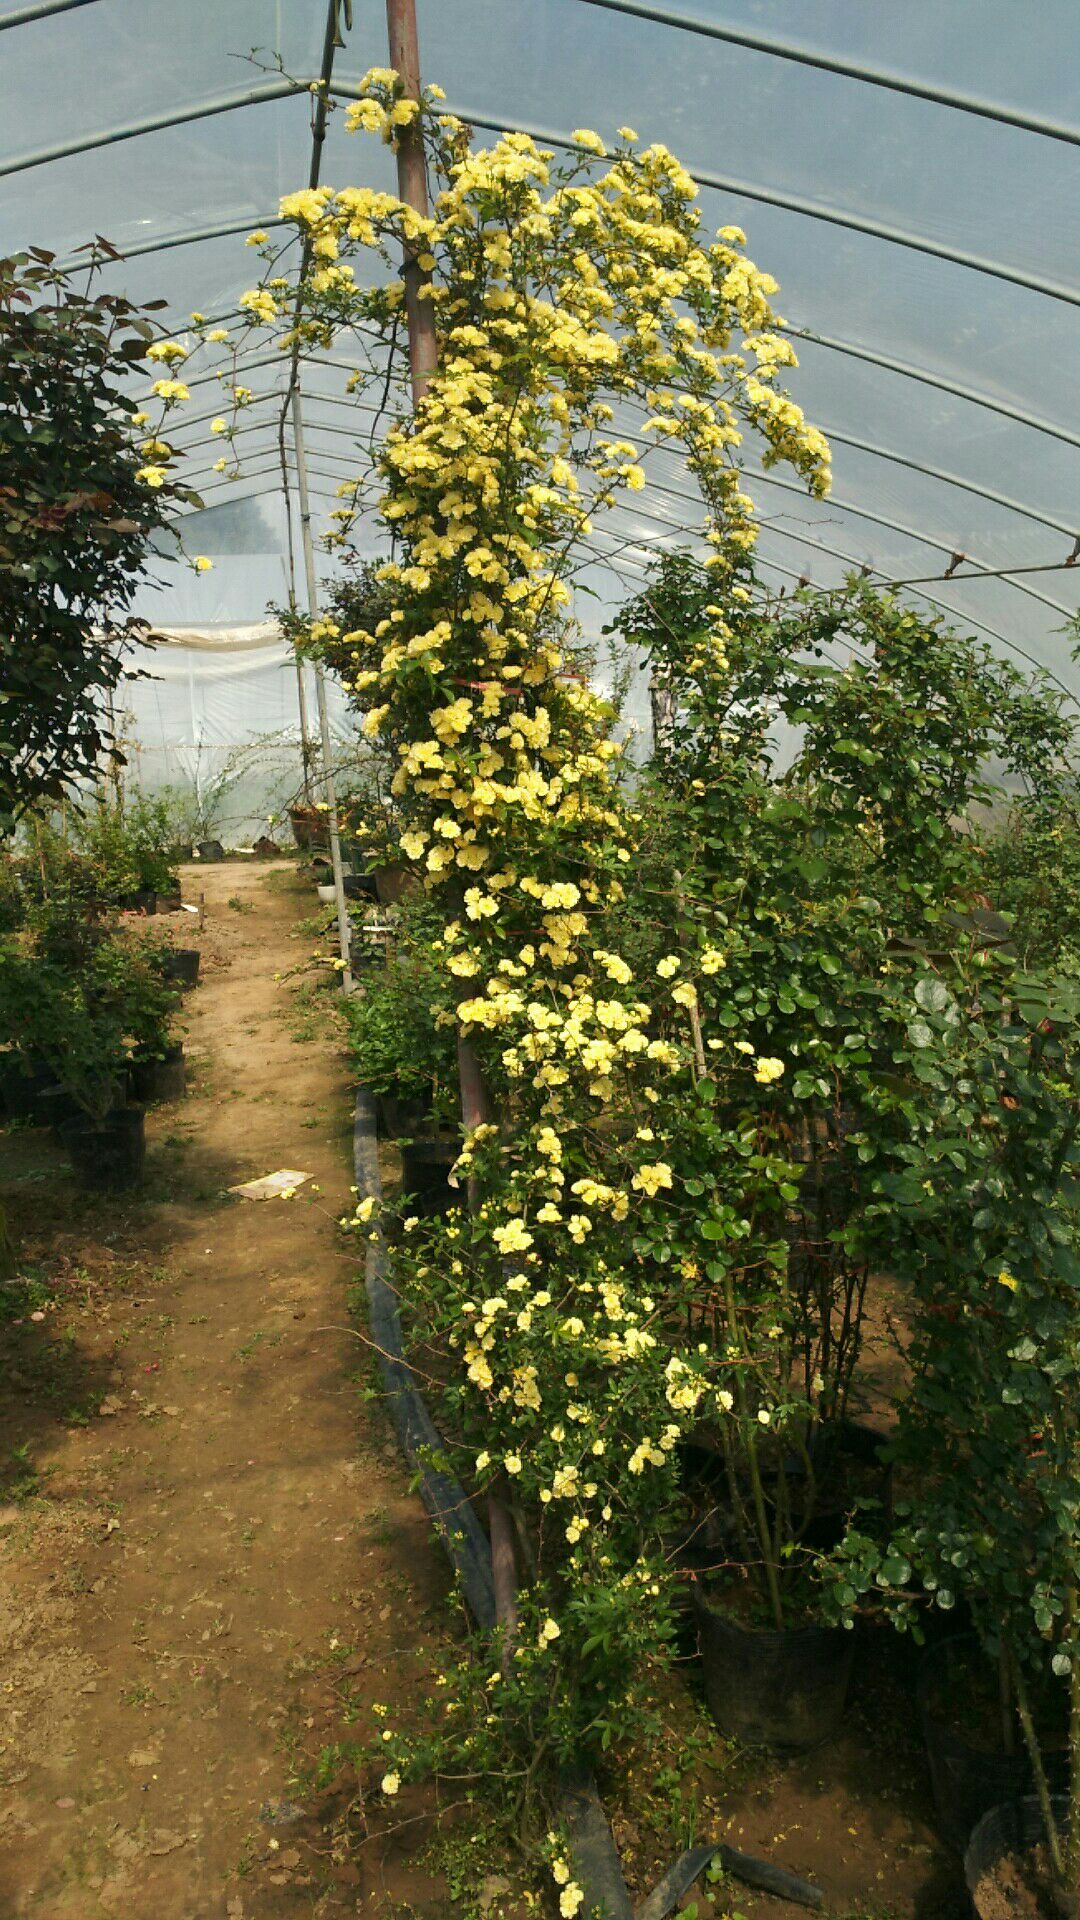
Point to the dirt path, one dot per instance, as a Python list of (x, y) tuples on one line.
[(209, 1544)]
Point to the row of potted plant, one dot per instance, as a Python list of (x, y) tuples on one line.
[(88, 1022)]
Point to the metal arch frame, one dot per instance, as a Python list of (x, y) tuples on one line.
[(918, 466), (283, 88), (819, 546), (24, 16), (908, 372), (782, 49), (909, 533), (267, 90), (767, 43), (841, 439), (947, 607), (904, 368), (676, 493), (799, 204)]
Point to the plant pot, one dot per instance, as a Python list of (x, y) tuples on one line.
[(169, 902), (361, 886), (58, 1108), (141, 900), (1015, 1827), (210, 850), (394, 883), (401, 1115), (967, 1780), (767, 1689), (183, 850), (108, 1155), (154, 1080), (425, 1175), (180, 965), (840, 1447), (309, 827), (327, 894), (22, 1086)]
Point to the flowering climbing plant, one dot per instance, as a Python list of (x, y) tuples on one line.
[(569, 298), (566, 297)]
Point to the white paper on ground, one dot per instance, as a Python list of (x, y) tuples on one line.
[(272, 1185)]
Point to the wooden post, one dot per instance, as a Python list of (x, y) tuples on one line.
[(412, 188), (423, 360)]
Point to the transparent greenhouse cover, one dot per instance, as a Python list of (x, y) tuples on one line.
[(910, 174)]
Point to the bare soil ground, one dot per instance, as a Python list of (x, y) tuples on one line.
[(211, 1566), (203, 1561)]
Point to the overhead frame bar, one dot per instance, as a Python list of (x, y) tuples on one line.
[(928, 379), (799, 204), (283, 87), (41, 10), (781, 49), (278, 89), (922, 375)]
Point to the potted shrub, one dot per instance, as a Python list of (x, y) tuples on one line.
[(79, 1039), (977, 1204)]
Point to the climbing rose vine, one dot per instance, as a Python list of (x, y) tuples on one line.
[(569, 298)]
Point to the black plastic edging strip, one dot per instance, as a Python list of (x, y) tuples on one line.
[(592, 1846), (444, 1498)]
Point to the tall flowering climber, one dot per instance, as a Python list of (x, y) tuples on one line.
[(584, 320)]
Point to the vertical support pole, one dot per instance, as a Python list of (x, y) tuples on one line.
[(412, 187), (329, 787), (305, 730), (423, 360)]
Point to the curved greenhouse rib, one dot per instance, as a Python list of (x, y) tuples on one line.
[(909, 533), (837, 553), (951, 480), (811, 209), (781, 49), (956, 389), (954, 613), (22, 16), (928, 379), (274, 89)]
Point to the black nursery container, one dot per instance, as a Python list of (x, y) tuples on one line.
[(425, 1175), (1016, 1827), (180, 965), (401, 1115), (967, 1780), (164, 1079), (109, 1155), (784, 1690), (141, 900)]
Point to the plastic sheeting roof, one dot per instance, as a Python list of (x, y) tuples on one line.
[(909, 174)]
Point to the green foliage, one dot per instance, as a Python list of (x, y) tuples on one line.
[(1032, 868), (76, 523), (400, 1020)]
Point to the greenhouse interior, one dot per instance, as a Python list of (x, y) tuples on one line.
[(539, 960)]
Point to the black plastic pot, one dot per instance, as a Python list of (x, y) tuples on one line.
[(108, 1155), (181, 851), (360, 886), (181, 965), (967, 1780), (141, 900), (169, 902), (164, 1079), (1015, 1827), (425, 1171), (211, 850), (786, 1691), (21, 1087), (402, 1115)]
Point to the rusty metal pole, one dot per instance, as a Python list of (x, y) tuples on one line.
[(423, 360), (412, 187)]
